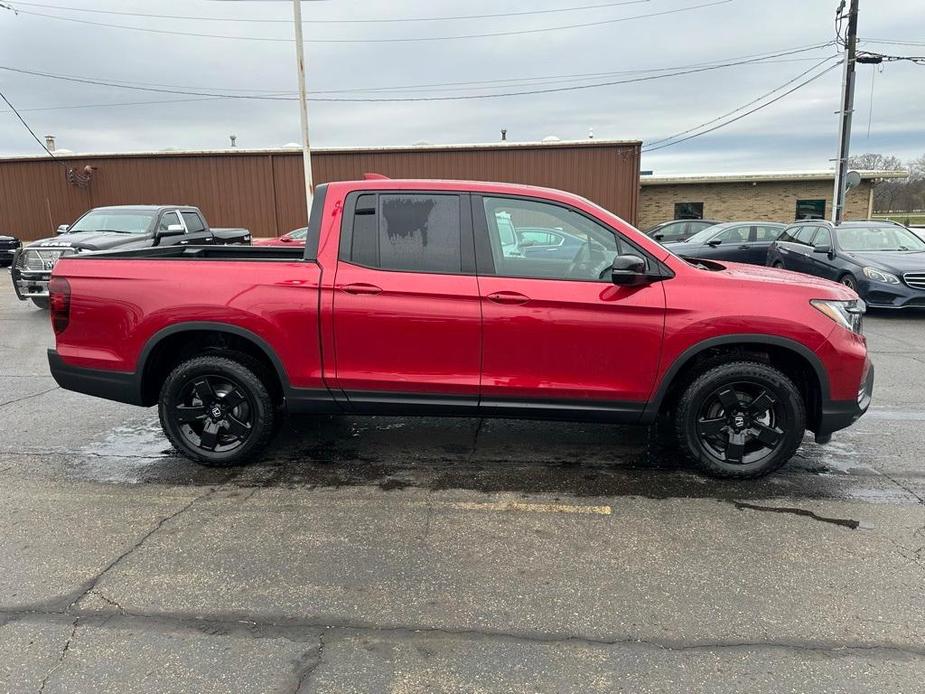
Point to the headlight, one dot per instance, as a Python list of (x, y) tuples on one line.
[(876, 275), (848, 314)]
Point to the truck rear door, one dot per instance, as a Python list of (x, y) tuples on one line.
[(406, 315)]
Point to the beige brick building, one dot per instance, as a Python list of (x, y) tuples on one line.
[(778, 197)]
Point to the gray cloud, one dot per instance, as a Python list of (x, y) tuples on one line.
[(797, 132)]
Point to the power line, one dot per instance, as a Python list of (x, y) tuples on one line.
[(895, 42), (26, 125), (763, 58), (389, 20), (462, 97), (520, 32), (743, 106), (747, 113)]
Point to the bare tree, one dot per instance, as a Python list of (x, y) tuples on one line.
[(872, 161)]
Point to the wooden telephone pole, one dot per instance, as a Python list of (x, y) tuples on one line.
[(847, 110)]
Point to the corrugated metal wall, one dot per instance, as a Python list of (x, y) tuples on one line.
[(263, 191)]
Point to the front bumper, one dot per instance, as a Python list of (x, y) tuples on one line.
[(29, 284), (881, 295), (840, 414)]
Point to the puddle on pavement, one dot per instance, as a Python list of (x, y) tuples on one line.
[(494, 456)]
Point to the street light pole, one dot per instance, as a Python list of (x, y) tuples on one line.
[(303, 104), (847, 110)]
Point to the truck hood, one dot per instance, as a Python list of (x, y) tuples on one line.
[(895, 262), (821, 288), (93, 241), (7, 238)]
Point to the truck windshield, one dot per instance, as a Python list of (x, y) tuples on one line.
[(120, 221)]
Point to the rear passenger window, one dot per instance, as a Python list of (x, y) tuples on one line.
[(410, 232)]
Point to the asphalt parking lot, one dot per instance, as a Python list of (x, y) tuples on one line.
[(425, 555)]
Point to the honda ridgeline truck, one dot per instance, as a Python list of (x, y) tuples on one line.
[(417, 297)]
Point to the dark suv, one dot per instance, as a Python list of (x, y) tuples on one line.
[(883, 262)]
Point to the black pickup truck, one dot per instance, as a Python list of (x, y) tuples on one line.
[(124, 227)]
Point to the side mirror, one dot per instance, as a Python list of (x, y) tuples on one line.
[(658, 236), (62, 229), (714, 242), (171, 230), (628, 271), (823, 248)]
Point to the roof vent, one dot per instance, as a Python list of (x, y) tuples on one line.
[(551, 138)]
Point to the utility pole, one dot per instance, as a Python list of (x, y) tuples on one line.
[(847, 110), (303, 104)]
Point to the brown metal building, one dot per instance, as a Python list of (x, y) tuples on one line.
[(263, 190)]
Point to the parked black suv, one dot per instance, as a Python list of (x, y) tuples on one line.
[(884, 262)]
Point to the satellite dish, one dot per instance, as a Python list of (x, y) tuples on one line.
[(852, 180)]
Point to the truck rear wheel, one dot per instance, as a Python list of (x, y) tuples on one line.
[(741, 420), (217, 411), (41, 302)]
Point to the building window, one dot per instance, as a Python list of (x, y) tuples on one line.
[(810, 209), (688, 210)]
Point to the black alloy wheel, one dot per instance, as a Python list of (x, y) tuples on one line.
[(740, 419), (214, 413), (217, 409), (738, 423)]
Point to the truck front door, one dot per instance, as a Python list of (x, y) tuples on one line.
[(406, 316), (558, 335)]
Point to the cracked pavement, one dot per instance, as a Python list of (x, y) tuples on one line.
[(425, 555)]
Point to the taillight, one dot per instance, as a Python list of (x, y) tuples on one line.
[(59, 303)]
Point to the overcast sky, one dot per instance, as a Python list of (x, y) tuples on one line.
[(797, 132)]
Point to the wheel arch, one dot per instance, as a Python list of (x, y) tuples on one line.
[(171, 345), (796, 360)]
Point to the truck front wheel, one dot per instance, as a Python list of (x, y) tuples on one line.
[(741, 420), (217, 411)]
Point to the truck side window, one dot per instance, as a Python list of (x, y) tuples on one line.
[(167, 219), (409, 232), (193, 222), (586, 252)]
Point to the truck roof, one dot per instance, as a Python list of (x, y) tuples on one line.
[(459, 185), (145, 208)]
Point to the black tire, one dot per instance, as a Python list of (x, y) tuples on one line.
[(217, 410), (41, 302), (778, 264), (741, 420), (850, 282)]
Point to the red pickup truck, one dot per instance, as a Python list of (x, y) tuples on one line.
[(428, 297)]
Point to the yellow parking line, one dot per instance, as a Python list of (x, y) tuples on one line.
[(530, 507)]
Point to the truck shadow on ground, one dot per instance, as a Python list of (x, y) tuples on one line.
[(392, 453)]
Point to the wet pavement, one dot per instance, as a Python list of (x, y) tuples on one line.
[(419, 554)]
